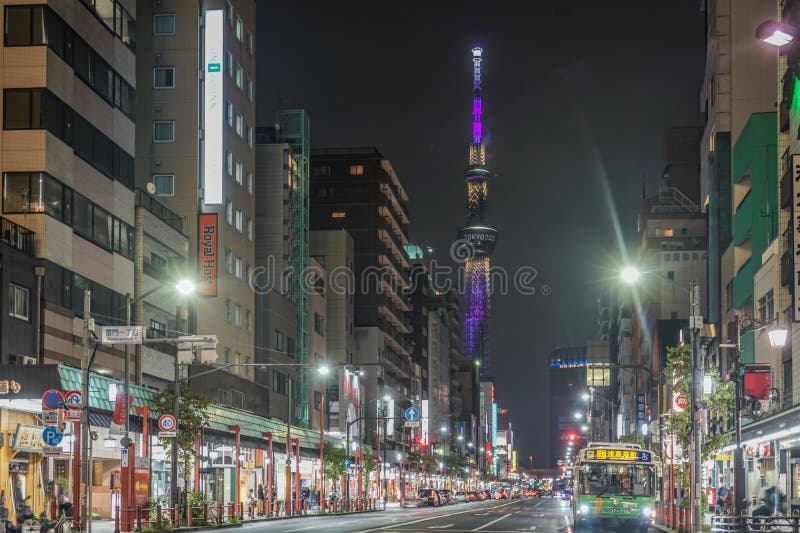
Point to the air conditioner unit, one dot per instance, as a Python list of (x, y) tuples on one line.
[(26, 359)]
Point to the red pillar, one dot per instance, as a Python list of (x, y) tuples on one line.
[(268, 435), (144, 412), (237, 430), (76, 474), (126, 496), (287, 496), (297, 473)]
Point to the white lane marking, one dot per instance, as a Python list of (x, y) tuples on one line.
[(403, 524), (569, 526), (300, 529), (492, 522), (532, 528), (445, 526), (480, 514)]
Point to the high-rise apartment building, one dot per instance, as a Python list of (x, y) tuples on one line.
[(195, 143), (357, 189), (68, 78)]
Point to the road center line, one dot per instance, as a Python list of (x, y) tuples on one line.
[(492, 522), (403, 524)]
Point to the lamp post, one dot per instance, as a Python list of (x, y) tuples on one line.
[(323, 372), (777, 339)]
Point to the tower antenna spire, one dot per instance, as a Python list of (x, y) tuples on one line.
[(477, 125)]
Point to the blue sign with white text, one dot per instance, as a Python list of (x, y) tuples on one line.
[(51, 436)]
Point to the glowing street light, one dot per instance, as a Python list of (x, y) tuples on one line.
[(777, 336), (630, 275), (185, 286), (776, 33), (578, 415), (323, 370)]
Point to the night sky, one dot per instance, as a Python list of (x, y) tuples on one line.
[(575, 93)]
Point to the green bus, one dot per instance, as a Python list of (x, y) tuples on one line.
[(614, 484)]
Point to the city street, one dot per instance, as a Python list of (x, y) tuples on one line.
[(551, 515)]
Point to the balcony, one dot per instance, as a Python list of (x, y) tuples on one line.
[(743, 220), (401, 365), (165, 214), (743, 283), (16, 236), (396, 385)]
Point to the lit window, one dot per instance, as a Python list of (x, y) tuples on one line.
[(249, 226), (238, 268), (229, 163), (163, 131), (239, 220), (229, 212), (356, 170), (668, 232), (164, 24), (338, 214), (250, 136), (239, 172), (239, 125), (238, 30), (228, 261), (165, 184), (18, 301), (229, 112), (163, 77), (239, 76), (249, 182)]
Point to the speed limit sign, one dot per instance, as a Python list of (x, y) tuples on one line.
[(167, 425)]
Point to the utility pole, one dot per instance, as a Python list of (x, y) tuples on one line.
[(695, 323), (176, 406), (87, 354)]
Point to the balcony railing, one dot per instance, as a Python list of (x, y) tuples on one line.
[(164, 213), (16, 236)]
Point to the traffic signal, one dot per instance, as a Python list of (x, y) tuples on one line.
[(571, 437)]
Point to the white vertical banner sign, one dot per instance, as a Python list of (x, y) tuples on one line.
[(796, 233), (213, 107)]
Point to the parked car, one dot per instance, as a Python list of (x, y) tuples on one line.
[(473, 496), (500, 494), (446, 496), (429, 497), (460, 497)]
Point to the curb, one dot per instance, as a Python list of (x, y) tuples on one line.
[(273, 519)]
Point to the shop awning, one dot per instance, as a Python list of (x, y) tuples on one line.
[(36, 379)]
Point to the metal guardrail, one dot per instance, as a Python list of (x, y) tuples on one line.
[(748, 524)]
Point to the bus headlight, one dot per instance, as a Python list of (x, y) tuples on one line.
[(583, 509), (647, 512)]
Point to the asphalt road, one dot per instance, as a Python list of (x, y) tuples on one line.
[(538, 515)]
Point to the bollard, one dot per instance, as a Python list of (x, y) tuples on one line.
[(205, 513), (116, 519), (241, 511), (176, 512), (158, 517), (305, 507), (188, 516), (220, 513), (269, 508), (139, 517)]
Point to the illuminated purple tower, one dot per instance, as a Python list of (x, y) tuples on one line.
[(478, 238)]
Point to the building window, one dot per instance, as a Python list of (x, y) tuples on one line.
[(250, 90), (18, 301), (238, 267), (239, 125), (229, 212), (228, 261), (227, 319), (163, 131), (249, 182), (157, 330), (227, 355), (249, 228), (278, 340), (250, 136), (229, 112), (164, 24), (165, 184), (338, 214), (238, 220), (229, 163), (238, 29), (250, 42), (239, 172), (237, 315), (671, 275), (229, 63), (356, 170), (280, 382), (318, 400), (319, 324), (290, 345), (766, 307), (239, 76), (247, 320), (163, 77)]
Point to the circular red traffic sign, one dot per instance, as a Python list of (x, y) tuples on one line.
[(680, 402), (166, 423), (52, 399), (72, 399)]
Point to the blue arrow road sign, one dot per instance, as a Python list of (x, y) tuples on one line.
[(51, 436), (412, 414)]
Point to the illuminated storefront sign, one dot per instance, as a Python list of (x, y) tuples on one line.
[(494, 423), (28, 439), (9, 386), (213, 108), (207, 260)]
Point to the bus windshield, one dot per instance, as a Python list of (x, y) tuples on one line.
[(616, 479)]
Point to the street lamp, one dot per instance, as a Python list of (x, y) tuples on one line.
[(578, 415), (776, 33), (630, 275), (777, 339)]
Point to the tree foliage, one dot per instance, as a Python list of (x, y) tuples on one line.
[(193, 415), (334, 462), (370, 464), (718, 404)]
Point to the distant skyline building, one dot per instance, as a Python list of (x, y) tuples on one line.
[(477, 238)]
